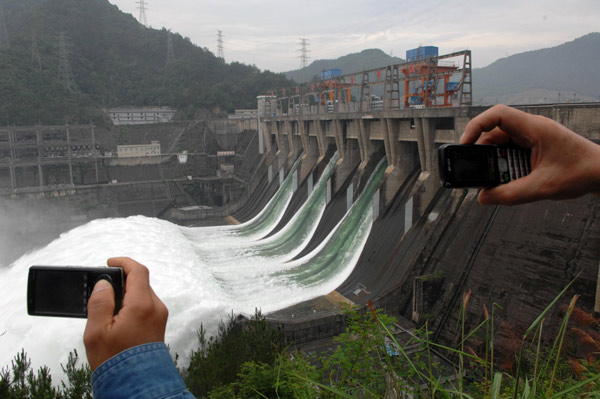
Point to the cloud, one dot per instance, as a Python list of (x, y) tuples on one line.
[(266, 32)]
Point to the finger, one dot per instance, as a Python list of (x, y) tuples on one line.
[(516, 192), (100, 307), (137, 285), (494, 136), (138, 276), (517, 124)]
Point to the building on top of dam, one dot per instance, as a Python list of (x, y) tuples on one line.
[(139, 150), (244, 114), (140, 116)]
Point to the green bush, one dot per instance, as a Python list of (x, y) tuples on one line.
[(20, 382), (218, 360), (250, 359)]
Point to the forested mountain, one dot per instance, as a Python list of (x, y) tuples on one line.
[(571, 68), (355, 62), (532, 77), (115, 61)]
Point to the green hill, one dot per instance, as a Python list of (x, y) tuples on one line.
[(530, 77), (568, 68), (115, 61), (355, 62)]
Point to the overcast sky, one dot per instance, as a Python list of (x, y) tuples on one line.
[(267, 33)]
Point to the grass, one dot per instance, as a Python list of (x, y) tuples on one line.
[(373, 358)]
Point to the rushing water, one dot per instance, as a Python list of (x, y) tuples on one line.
[(201, 274)]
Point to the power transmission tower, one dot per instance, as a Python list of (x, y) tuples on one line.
[(4, 44), (65, 75), (142, 8), (170, 52), (36, 61), (303, 52), (220, 45)]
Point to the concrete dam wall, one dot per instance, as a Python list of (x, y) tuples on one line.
[(58, 177), (429, 246)]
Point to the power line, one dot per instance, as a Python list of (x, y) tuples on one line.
[(36, 61), (170, 51), (142, 17), (220, 53), (65, 75), (4, 44), (303, 52)]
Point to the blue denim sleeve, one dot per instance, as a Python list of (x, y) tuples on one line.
[(146, 371)]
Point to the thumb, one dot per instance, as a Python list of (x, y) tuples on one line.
[(526, 189), (101, 305)]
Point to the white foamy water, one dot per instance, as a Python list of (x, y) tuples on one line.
[(194, 289)]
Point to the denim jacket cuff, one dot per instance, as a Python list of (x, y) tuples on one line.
[(145, 371)]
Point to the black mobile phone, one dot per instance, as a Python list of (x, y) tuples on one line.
[(63, 291), (485, 165)]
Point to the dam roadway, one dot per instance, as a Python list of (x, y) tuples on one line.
[(428, 246)]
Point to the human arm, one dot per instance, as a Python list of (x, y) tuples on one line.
[(563, 164), (126, 352)]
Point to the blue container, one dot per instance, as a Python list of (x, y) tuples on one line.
[(428, 52), (421, 53), (452, 86), (415, 100), (428, 84), (412, 55), (330, 74)]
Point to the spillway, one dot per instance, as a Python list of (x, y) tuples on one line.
[(189, 272)]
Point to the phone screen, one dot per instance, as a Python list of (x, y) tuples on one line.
[(468, 165), (63, 291), (60, 292), (472, 165)]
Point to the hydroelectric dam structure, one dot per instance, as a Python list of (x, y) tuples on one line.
[(336, 189), (427, 246)]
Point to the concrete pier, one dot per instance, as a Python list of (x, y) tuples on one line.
[(518, 257)]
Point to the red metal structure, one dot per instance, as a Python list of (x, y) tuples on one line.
[(437, 81)]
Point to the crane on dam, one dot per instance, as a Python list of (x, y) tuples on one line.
[(424, 80)]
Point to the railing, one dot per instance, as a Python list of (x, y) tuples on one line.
[(389, 87)]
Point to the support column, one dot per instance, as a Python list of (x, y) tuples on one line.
[(320, 140), (425, 138), (266, 130), (277, 138), (303, 137), (38, 138), (339, 139), (390, 139), (363, 142), (290, 136)]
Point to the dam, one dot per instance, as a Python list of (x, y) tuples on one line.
[(335, 222), (428, 246)]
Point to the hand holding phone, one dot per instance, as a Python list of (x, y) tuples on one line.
[(63, 291), (482, 165), (563, 164), (141, 320)]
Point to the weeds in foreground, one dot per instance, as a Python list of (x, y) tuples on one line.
[(20, 382), (373, 358)]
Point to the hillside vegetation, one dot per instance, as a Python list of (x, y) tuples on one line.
[(569, 68), (115, 61), (536, 76), (355, 62)]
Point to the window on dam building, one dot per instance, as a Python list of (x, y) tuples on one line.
[(140, 116), (139, 150)]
